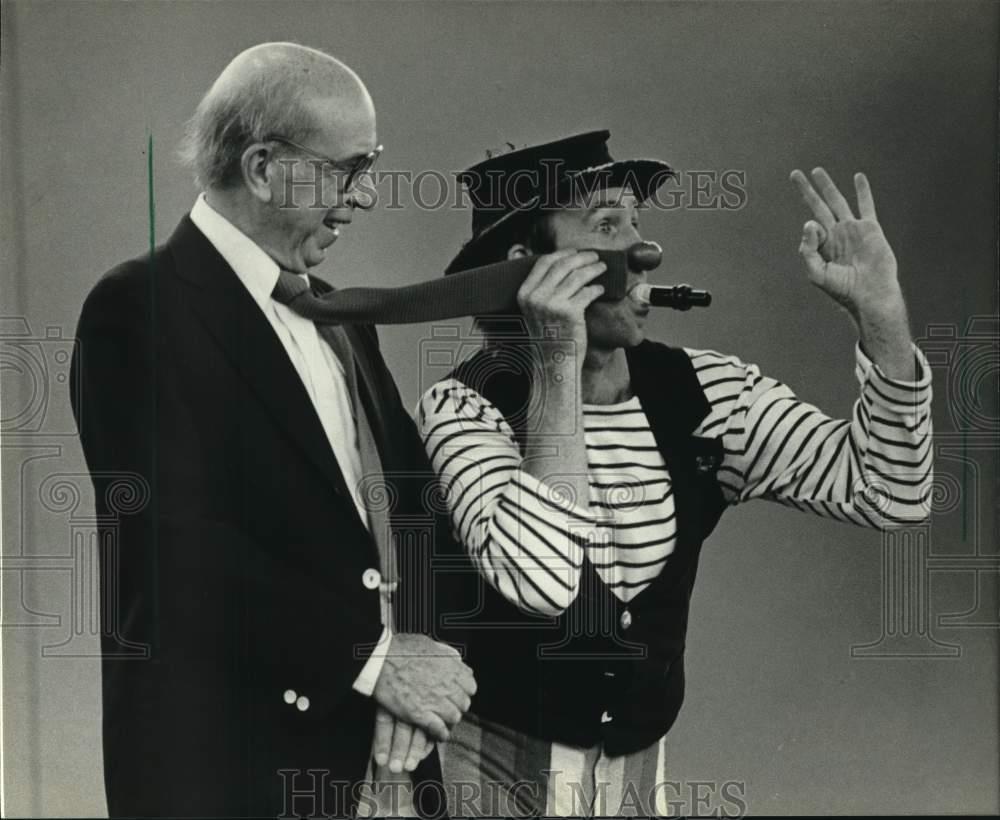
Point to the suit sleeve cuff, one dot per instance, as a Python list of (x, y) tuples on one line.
[(366, 680)]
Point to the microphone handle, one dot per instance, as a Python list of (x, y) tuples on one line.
[(678, 297)]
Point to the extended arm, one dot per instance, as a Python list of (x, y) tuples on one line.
[(873, 469)]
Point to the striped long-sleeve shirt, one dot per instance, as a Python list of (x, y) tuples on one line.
[(873, 469)]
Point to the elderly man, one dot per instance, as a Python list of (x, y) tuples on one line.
[(584, 466), (258, 578)]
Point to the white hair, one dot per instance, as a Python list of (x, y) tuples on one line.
[(263, 91)]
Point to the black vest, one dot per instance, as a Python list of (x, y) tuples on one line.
[(603, 671)]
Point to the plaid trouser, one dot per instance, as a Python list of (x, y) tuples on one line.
[(493, 771)]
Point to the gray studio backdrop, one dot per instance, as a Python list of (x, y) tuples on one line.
[(832, 669)]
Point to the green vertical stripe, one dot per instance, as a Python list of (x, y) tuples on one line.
[(149, 187), (154, 497)]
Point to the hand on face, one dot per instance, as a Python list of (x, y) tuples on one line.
[(560, 292), (556, 293), (621, 323)]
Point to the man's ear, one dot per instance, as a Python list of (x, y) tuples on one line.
[(518, 251), (259, 172)]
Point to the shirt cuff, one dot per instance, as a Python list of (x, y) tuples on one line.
[(901, 397), (366, 680)]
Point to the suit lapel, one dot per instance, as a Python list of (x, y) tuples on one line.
[(235, 322), (368, 382)]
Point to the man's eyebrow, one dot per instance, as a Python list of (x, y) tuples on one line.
[(614, 202)]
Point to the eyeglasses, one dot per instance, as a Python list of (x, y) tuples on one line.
[(351, 169)]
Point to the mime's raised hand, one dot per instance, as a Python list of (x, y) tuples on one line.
[(849, 258)]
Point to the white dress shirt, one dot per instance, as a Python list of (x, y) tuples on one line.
[(320, 369)]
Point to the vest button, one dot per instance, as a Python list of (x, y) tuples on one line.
[(705, 464), (626, 619), (606, 718)]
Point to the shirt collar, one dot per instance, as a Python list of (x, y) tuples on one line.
[(255, 269)]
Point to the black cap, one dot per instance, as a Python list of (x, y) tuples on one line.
[(544, 177)]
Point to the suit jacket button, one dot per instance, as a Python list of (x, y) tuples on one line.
[(626, 619), (290, 696), (606, 718), (302, 703), (371, 578)]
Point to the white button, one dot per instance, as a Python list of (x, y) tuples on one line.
[(371, 578), (626, 619), (606, 718), (290, 696), (302, 703)]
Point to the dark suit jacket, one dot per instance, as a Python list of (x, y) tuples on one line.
[(241, 573)]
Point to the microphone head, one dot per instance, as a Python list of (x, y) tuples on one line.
[(643, 256), (640, 294)]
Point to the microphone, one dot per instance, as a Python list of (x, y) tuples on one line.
[(678, 297), (644, 256)]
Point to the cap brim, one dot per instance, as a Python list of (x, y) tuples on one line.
[(643, 176)]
